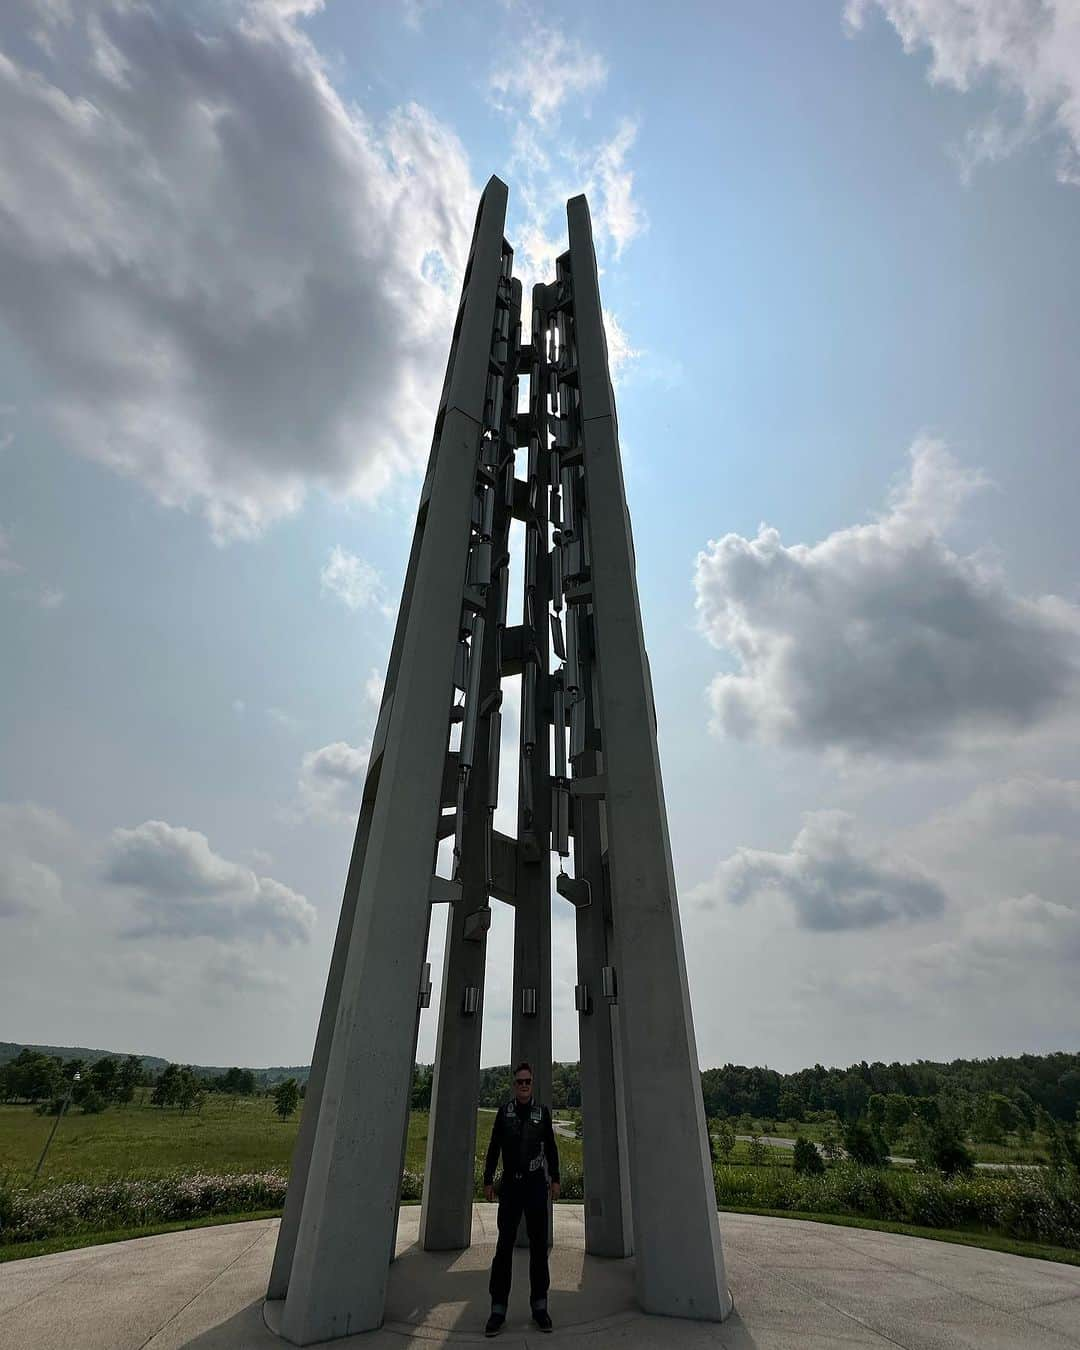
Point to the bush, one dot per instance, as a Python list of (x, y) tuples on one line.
[(1035, 1205), (807, 1161), (28, 1213), (93, 1103), (864, 1144)]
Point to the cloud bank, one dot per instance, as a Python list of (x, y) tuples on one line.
[(184, 889), (880, 639), (1029, 48), (233, 283), (828, 879)]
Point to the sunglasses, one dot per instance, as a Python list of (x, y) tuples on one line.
[(522, 1082)]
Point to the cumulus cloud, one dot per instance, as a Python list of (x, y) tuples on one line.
[(355, 582), (332, 781), (547, 171), (881, 639), (828, 878), (373, 687), (184, 889), (1030, 49), (222, 271), (542, 87)]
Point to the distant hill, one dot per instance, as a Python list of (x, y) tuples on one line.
[(154, 1063)]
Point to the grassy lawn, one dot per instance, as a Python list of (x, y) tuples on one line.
[(230, 1134)]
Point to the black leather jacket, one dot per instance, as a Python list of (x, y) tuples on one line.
[(524, 1137)]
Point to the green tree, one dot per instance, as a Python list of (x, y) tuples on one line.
[(939, 1147), (128, 1077), (832, 1146), (807, 1161), (167, 1087), (725, 1139), (93, 1102), (864, 1144), (423, 1076), (103, 1077), (757, 1153), (286, 1098)]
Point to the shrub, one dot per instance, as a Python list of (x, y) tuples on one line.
[(807, 1161), (863, 1144), (29, 1213), (1032, 1204), (93, 1103)]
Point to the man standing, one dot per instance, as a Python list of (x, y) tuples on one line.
[(522, 1134)]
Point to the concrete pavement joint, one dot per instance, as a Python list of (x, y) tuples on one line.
[(196, 1296)]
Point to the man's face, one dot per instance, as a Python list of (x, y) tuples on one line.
[(523, 1085)]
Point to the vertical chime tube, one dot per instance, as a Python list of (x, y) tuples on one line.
[(559, 721), (472, 695), (569, 482), (572, 675), (494, 748), (528, 707)]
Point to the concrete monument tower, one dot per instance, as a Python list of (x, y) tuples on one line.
[(589, 791)]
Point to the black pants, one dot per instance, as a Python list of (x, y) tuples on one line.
[(529, 1196)]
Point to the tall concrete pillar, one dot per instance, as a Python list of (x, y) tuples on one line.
[(590, 792), (679, 1263), (449, 1171), (337, 1281)]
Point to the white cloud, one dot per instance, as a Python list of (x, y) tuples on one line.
[(332, 781), (216, 265), (373, 687), (880, 639), (619, 215), (828, 878), (184, 889), (34, 842), (543, 86), (620, 351), (355, 582), (51, 597), (1029, 48)]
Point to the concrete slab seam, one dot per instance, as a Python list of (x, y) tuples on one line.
[(949, 1289), (80, 1267), (198, 1295)]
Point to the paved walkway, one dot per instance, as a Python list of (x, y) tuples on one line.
[(797, 1285)]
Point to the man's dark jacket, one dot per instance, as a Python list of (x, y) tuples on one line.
[(526, 1140)]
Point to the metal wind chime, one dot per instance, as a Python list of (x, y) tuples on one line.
[(589, 791)]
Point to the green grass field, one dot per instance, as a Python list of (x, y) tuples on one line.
[(230, 1134)]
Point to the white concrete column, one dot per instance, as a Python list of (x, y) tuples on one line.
[(679, 1262)]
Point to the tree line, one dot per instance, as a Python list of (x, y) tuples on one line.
[(989, 1097)]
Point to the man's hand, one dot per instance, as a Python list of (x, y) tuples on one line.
[(555, 1190), (489, 1192)]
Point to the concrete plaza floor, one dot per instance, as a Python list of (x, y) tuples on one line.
[(796, 1284)]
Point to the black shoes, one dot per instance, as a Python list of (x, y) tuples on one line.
[(497, 1320)]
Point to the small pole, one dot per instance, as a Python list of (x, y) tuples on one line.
[(56, 1122)]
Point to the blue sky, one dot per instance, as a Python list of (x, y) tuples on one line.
[(838, 253)]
